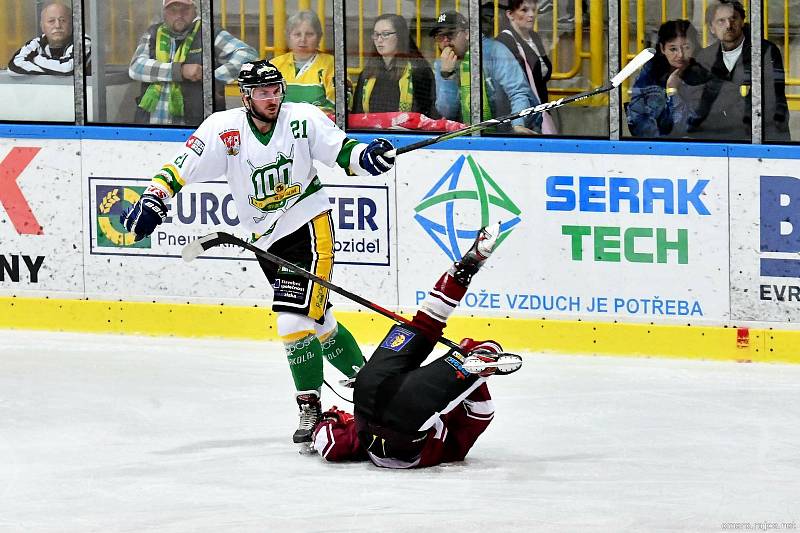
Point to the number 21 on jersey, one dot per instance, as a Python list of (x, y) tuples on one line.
[(299, 129)]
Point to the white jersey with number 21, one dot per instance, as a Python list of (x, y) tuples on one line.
[(271, 176)]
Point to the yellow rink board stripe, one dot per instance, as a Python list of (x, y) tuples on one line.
[(515, 334)]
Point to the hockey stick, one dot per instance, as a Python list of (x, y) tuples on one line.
[(195, 248), (635, 64)]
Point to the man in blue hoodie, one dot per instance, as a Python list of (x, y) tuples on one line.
[(504, 87)]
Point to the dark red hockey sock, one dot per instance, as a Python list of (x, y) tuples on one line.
[(437, 306)]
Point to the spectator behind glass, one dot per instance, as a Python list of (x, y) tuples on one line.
[(52, 52), (655, 108), (169, 62), (527, 47), (307, 71), (721, 108), (504, 84), (396, 77)]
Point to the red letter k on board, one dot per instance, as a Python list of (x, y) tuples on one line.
[(10, 194)]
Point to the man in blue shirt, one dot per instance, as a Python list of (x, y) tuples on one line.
[(504, 87)]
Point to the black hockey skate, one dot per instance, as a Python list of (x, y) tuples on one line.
[(479, 252), (310, 415)]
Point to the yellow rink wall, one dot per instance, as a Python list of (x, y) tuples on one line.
[(516, 334)]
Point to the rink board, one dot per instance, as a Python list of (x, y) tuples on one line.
[(618, 252), (765, 240), (585, 237), (41, 235), (153, 268)]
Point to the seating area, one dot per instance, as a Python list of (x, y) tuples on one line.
[(575, 37)]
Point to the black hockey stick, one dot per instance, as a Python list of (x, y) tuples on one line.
[(637, 62), (195, 248)]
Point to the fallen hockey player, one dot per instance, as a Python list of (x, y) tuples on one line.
[(407, 415)]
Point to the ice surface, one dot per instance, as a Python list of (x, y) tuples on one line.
[(119, 433)]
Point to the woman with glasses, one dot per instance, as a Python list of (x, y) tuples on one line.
[(396, 77), (307, 71), (529, 51)]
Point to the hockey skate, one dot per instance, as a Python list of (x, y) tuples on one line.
[(486, 358), (479, 252), (484, 244), (310, 415)]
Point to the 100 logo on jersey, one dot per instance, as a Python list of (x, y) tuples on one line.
[(271, 184)]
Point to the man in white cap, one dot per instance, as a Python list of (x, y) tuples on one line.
[(169, 62)]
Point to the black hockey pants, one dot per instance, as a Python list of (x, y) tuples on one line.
[(395, 396)]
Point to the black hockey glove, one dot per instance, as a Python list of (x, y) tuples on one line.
[(143, 217), (374, 159)]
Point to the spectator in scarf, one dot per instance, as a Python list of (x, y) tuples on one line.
[(168, 61)]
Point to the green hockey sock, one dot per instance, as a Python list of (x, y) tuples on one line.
[(305, 362), (342, 351)]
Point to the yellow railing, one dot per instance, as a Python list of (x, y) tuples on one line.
[(595, 54), (278, 17), (641, 23), (124, 31), (128, 19), (790, 80), (13, 30), (5, 51)]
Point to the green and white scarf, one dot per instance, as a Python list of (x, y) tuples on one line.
[(162, 53)]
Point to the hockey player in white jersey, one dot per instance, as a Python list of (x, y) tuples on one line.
[(266, 151)]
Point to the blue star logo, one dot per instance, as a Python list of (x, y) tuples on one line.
[(460, 186)]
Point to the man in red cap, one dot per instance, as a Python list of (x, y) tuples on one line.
[(169, 62)]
